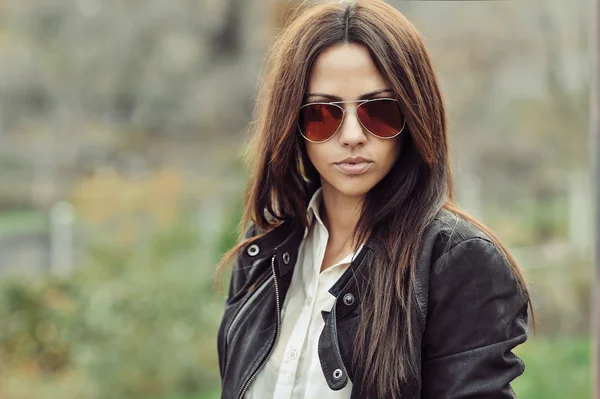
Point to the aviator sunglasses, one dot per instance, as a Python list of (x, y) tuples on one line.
[(318, 122)]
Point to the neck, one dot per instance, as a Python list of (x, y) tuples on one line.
[(340, 214)]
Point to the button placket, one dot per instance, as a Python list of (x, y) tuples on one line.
[(309, 300)]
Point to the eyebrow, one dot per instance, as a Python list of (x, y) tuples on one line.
[(337, 98)]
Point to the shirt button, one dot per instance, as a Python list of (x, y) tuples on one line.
[(293, 354), (309, 300)]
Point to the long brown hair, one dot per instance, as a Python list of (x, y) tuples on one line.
[(398, 208)]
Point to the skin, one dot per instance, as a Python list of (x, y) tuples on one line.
[(348, 72)]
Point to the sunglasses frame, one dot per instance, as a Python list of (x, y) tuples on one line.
[(336, 103)]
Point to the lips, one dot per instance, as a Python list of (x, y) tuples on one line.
[(354, 168), (354, 165), (354, 160)]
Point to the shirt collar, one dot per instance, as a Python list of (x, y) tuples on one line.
[(313, 207), (312, 211)]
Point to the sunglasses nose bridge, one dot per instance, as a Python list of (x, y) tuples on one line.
[(351, 110), (355, 133), (354, 112)]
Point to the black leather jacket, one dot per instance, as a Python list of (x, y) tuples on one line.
[(470, 313)]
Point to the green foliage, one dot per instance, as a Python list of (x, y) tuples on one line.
[(230, 232), (555, 368), (15, 222), (127, 325), (209, 394), (562, 294), (529, 222)]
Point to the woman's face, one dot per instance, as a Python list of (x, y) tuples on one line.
[(347, 72)]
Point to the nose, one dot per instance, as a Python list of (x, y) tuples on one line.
[(351, 132)]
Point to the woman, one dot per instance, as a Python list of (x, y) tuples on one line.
[(357, 275)]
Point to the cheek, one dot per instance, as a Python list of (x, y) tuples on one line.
[(389, 152), (316, 154)]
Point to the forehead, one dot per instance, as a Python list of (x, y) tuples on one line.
[(345, 70)]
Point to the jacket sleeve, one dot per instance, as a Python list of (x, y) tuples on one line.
[(477, 313)]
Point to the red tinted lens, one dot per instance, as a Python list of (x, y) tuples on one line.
[(318, 122), (381, 117)]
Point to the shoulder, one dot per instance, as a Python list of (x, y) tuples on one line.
[(448, 231), (450, 238), (456, 257)]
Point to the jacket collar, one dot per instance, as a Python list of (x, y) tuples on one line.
[(282, 242)]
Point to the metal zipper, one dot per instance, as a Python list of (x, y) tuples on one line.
[(378, 393), (277, 304), (245, 306)]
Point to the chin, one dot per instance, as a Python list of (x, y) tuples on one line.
[(357, 187)]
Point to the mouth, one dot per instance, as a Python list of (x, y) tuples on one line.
[(354, 168), (354, 160)]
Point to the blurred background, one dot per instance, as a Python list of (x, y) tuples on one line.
[(121, 129)]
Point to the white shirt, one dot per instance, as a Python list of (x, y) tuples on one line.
[(293, 371)]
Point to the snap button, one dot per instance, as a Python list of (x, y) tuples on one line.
[(286, 258), (337, 374), (253, 250), (348, 299)]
